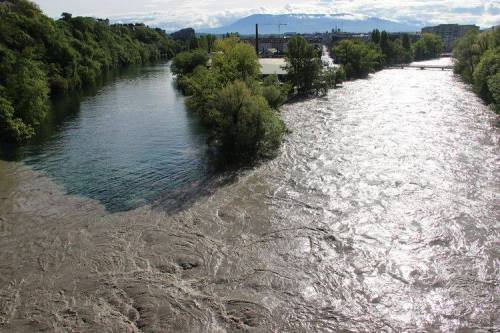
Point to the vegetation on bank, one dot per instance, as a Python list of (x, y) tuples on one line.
[(360, 58), (240, 112), (226, 90), (41, 57), (478, 62), (305, 70)]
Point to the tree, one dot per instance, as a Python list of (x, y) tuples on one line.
[(233, 105), (247, 127), (466, 55), (428, 47), (357, 58), (407, 50), (66, 16), (384, 44), (39, 56), (186, 62), (375, 36), (235, 60), (494, 88), (303, 65), (207, 42), (478, 62), (406, 42), (488, 67)]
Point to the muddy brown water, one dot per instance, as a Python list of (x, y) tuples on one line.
[(380, 214)]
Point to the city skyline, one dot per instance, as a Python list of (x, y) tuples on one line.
[(175, 14)]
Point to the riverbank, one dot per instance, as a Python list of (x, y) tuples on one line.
[(378, 214)]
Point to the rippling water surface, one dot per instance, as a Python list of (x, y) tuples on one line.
[(380, 214), (125, 143)]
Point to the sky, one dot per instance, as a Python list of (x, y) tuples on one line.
[(174, 14)]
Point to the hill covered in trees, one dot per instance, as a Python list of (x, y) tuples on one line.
[(41, 57)]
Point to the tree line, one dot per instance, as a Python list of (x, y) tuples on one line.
[(478, 62), (41, 57), (360, 58), (241, 109)]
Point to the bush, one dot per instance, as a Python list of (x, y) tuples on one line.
[(186, 62), (274, 96), (487, 68), (274, 91), (246, 127)]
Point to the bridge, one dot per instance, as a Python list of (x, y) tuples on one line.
[(422, 66)]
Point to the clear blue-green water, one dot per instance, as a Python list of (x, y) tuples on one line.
[(126, 143)]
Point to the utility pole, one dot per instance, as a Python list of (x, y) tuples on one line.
[(257, 39)]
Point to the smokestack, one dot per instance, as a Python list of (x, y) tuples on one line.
[(257, 39)]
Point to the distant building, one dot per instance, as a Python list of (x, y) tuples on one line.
[(337, 36), (449, 33), (275, 66), (275, 43)]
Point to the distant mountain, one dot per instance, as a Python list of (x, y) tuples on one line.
[(309, 23)]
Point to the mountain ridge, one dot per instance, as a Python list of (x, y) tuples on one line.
[(310, 23)]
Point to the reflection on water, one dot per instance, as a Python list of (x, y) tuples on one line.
[(124, 144), (380, 215)]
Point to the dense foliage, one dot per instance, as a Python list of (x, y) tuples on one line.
[(478, 62), (240, 111), (429, 46), (360, 58), (40, 57), (305, 70)]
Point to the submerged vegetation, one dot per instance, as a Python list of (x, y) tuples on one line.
[(478, 62), (41, 57), (361, 58)]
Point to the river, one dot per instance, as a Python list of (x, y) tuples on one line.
[(123, 143), (380, 214)]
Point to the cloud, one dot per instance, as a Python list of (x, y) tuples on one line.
[(174, 14)]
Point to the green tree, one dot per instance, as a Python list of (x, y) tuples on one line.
[(494, 88), (428, 47), (488, 67), (478, 62), (357, 58), (384, 44), (247, 127), (467, 55), (407, 49), (235, 60), (375, 36), (186, 62), (303, 65)]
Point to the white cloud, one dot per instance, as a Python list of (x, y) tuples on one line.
[(173, 14)]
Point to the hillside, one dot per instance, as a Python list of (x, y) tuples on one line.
[(41, 57)]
